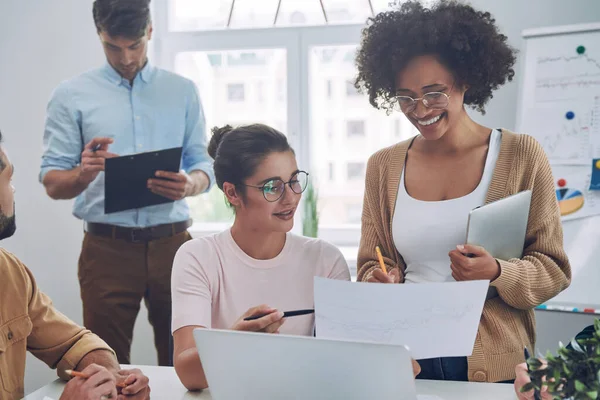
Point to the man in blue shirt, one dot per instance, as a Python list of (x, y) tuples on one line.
[(127, 106)]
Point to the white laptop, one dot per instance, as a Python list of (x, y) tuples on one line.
[(256, 366), (500, 226)]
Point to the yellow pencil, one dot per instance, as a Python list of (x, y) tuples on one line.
[(380, 259)]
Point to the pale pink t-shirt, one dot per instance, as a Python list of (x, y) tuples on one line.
[(214, 282)]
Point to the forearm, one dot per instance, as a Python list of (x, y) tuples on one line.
[(189, 369), (200, 182), (101, 357), (528, 282), (64, 185)]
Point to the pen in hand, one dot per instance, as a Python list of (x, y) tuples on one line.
[(72, 373), (286, 314), (536, 393)]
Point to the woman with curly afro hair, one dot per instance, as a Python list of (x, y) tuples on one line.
[(428, 63)]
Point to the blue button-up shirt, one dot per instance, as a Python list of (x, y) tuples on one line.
[(160, 110)]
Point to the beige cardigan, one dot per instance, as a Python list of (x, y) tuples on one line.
[(508, 322)]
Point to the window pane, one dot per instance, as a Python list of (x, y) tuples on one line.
[(345, 130), (236, 88), (381, 5), (386, 5), (355, 128), (190, 15), (347, 11), (300, 12), (253, 14)]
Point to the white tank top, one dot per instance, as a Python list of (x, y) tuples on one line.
[(424, 232)]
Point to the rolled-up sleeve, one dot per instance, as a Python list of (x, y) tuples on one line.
[(195, 154), (55, 339), (62, 134)]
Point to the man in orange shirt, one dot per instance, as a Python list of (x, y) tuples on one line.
[(28, 321)]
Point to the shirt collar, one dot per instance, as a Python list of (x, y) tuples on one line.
[(145, 74)]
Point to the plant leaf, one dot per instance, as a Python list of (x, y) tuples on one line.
[(580, 386), (575, 345), (534, 363), (527, 387)]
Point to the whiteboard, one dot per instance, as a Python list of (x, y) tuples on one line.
[(559, 105)]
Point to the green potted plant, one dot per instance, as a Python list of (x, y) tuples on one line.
[(310, 223), (574, 373)]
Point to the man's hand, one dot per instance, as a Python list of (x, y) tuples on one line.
[(100, 384), (137, 385), (93, 159), (470, 263), (172, 185)]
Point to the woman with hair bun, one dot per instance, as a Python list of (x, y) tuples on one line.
[(256, 268)]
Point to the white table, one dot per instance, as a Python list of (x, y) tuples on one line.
[(165, 385)]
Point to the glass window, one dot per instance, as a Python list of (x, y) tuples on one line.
[(347, 11), (252, 13), (354, 213), (355, 128), (356, 170), (350, 89), (300, 12), (235, 92), (222, 87), (332, 122), (191, 15)]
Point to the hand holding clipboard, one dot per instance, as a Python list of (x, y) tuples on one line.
[(127, 179)]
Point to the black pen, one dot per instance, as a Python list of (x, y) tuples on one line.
[(285, 314), (96, 148), (536, 393)]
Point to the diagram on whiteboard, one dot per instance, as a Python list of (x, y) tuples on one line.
[(561, 97), (564, 130), (575, 200), (567, 76)]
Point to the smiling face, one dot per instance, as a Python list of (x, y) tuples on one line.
[(424, 75), (253, 210)]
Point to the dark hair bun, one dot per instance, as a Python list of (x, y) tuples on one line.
[(217, 137)]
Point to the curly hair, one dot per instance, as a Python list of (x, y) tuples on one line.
[(464, 40)]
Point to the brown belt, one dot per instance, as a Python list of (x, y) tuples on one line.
[(137, 235)]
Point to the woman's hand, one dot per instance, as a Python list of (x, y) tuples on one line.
[(378, 276), (523, 379), (470, 263), (416, 367), (269, 323)]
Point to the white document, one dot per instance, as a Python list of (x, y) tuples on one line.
[(431, 319)]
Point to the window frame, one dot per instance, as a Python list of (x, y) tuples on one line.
[(298, 42)]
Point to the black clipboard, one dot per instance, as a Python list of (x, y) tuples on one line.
[(126, 179)]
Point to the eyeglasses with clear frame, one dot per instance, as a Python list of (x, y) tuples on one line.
[(433, 100), (273, 190)]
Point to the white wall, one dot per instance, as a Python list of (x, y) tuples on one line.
[(45, 41)]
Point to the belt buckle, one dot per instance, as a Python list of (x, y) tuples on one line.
[(134, 235)]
